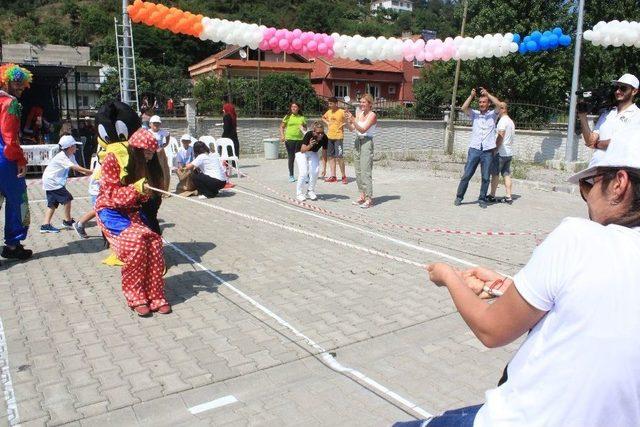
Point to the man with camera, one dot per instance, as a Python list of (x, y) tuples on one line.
[(482, 145), (625, 114)]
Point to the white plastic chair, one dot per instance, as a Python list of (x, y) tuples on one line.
[(172, 151), (209, 140), (224, 146)]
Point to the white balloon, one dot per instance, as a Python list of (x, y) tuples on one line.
[(513, 48), (509, 37)]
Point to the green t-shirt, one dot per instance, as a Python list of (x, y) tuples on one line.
[(292, 124)]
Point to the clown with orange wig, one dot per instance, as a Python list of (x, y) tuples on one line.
[(13, 163)]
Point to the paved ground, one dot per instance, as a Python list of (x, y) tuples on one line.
[(257, 305)]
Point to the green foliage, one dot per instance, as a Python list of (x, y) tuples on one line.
[(277, 92)]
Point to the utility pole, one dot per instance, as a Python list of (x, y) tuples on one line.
[(570, 153), (454, 92)]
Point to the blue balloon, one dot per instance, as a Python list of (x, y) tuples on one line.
[(536, 35), (565, 40), (527, 39), (544, 43), (558, 31), (547, 34), (532, 46), (553, 41), (522, 49), (516, 38)]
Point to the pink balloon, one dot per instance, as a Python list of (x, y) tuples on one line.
[(276, 51), (283, 44), (290, 36), (328, 40), (330, 53), (269, 31), (322, 48), (420, 55), (304, 37), (312, 46), (296, 44), (318, 38), (297, 32), (305, 51), (438, 52), (428, 55), (446, 55), (409, 57), (273, 42), (419, 44), (407, 49), (264, 45)]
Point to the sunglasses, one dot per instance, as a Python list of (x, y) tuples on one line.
[(587, 183), (622, 88)]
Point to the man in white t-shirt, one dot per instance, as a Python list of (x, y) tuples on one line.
[(54, 179), (162, 137), (576, 300), (502, 160), (624, 115)]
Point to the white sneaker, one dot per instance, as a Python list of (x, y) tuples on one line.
[(311, 195), (202, 196), (301, 198)]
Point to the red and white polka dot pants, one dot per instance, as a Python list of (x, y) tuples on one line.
[(141, 251)]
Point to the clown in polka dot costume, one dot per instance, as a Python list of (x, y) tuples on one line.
[(119, 217)]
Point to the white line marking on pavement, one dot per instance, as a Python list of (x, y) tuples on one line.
[(363, 230), (44, 200), (5, 376), (223, 401), (327, 358)]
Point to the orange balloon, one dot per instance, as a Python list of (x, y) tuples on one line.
[(197, 29)]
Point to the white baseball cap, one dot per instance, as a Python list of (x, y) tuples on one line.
[(628, 79), (155, 119), (186, 137), (67, 141), (623, 152)]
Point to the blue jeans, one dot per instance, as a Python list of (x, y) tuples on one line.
[(475, 157), (462, 417)]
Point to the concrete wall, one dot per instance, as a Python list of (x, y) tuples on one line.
[(400, 137)]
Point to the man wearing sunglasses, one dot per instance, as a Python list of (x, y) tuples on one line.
[(623, 115), (575, 301)]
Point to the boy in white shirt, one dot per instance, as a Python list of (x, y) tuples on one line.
[(54, 179)]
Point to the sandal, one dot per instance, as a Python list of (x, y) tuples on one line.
[(142, 310), (358, 202)]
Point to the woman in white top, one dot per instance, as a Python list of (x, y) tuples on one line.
[(211, 177), (577, 300), (364, 124)]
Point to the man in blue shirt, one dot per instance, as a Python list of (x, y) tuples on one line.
[(482, 145)]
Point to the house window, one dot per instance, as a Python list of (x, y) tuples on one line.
[(340, 90), (392, 90), (83, 101), (418, 64), (373, 90), (415, 80)]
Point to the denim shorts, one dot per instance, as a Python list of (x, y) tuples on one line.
[(60, 196), (335, 148), (501, 165)]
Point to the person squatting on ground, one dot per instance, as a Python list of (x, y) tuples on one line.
[(577, 300), (624, 115), (292, 129), (120, 218), (482, 145), (183, 157), (13, 163), (308, 160), (54, 180), (334, 118), (502, 160), (364, 125), (210, 176)]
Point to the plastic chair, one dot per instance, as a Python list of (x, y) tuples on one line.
[(94, 162), (224, 146), (209, 140), (172, 151)]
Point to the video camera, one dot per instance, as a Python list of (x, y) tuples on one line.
[(596, 100)]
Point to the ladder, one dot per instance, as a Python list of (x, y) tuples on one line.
[(127, 74)]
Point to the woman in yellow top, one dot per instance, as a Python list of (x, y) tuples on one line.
[(292, 130)]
